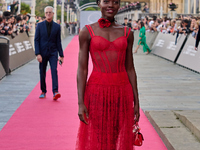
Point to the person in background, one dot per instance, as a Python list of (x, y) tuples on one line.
[(126, 23), (142, 40), (47, 46), (146, 8), (14, 7), (130, 22), (197, 40), (58, 21)]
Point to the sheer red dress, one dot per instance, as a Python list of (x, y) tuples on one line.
[(108, 97)]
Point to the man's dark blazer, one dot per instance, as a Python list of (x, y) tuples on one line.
[(198, 38), (45, 45)]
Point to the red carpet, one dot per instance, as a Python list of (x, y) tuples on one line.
[(48, 125)]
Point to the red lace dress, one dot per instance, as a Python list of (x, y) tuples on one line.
[(108, 97)]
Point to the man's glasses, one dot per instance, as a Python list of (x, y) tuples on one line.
[(48, 12)]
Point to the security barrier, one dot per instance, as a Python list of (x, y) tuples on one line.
[(20, 51), (150, 38), (165, 47), (189, 57)]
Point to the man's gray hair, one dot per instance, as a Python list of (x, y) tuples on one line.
[(49, 7)]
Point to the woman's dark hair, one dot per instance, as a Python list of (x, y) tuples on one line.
[(142, 24)]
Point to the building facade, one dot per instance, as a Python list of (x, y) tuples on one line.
[(184, 6)]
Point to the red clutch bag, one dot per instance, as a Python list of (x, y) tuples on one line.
[(137, 136)]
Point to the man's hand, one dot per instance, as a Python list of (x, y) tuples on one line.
[(39, 58), (61, 59)]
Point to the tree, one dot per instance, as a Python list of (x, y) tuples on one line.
[(92, 9), (41, 4), (59, 14), (25, 8), (86, 1)]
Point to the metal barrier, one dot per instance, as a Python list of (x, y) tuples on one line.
[(189, 57), (20, 51), (4, 54), (164, 46)]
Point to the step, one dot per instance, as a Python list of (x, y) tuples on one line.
[(172, 131), (191, 119)]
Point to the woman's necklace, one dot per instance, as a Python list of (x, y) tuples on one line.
[(104, 22)]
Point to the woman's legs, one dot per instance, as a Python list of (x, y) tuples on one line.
[(146, 49), (136, 49)]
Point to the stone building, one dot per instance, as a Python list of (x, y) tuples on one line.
[(184, 6)]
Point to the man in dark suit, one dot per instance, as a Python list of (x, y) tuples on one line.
[(197, 39), (47, 47)]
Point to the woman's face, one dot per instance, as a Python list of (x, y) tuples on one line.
[(109, 8)]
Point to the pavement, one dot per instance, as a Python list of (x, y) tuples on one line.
[(169, 96)]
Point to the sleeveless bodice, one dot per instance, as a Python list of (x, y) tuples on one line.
[(108, 59)]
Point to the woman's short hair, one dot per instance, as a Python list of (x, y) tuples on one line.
[(49, 7)]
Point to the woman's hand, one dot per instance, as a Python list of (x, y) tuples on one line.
[(83, 110), (136, 112)]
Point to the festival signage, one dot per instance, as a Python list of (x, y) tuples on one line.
[(20, 51), (189, 57), (165, 47)]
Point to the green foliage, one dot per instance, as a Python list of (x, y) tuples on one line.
[(25, 8), (59, 14), (41, 4), (37, 13), (86, 1), (92, 9)]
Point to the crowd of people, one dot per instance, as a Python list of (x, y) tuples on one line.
[(13, 25), (181, 25)]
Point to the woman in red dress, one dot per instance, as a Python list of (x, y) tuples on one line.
[(108, 101)]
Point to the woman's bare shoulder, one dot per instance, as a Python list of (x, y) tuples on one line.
[(94, 25), (84, 33)]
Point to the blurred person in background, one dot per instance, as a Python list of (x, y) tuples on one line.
[(58, 21), (135, 25), (142, 40), (14, 7), (130, 22), (197, 39), (126, 23), (196, 29), (146, 8)]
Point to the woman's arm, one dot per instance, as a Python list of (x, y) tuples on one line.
[(141, 34), (132, 74), (82, 72)]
